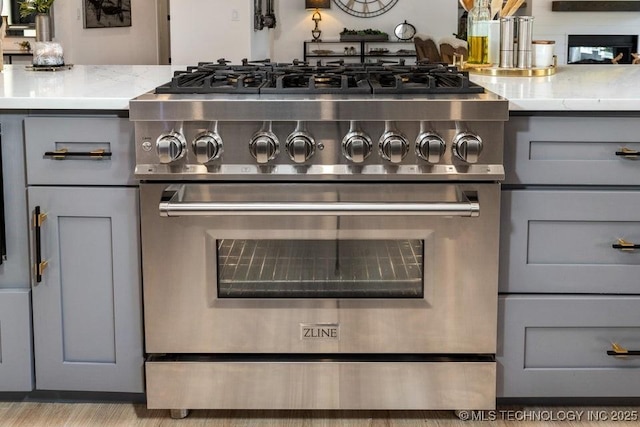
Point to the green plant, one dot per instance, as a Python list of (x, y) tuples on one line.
[(367, 32), (29, 7)]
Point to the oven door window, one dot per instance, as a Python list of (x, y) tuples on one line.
[(320, 268)]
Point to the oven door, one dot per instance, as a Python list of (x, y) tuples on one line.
[(320, 268)]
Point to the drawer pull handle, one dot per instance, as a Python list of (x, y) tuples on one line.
[(628, 153), (623, 245), (40, 265), (618, 350), (63, 154)]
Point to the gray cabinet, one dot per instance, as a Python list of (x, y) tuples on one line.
[(16, 360), (568, 288), (561, 150), (85, 251), (562, 241), (556, 346), (14, 270), (16, 365), (67, 151)]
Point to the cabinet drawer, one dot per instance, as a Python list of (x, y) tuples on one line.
[(16, 366), (556, 346), (561, 241), (571, 150), (47, 137)]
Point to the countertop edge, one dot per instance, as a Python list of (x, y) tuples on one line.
[(573, 88)]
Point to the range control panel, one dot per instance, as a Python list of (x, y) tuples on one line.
[(316, 147)]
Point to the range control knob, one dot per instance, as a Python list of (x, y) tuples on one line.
[(207, 146), (264, 146), (170, 147), (430, 147), (467, 147), (300, 146), (356, 146), (393, 146)]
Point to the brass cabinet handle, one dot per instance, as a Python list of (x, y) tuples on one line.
[(64, 154), (39, 265), (628, 153), (620, 351), (623, 245)]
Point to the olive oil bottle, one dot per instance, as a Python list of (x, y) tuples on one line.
[(478, 33)]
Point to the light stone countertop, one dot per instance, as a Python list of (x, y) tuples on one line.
[(572, 88), (110, 87), (84, 87)]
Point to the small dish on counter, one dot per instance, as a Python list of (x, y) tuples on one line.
[(48, 67)]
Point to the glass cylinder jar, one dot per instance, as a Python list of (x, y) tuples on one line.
[(478, 33)]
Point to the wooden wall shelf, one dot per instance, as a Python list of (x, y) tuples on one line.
[(595, 6)]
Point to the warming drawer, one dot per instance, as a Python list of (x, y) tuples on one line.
[(320, 385)]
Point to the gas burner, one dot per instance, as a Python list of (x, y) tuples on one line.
[(423, 80), (224, 80), (337, 77), (316, 83)]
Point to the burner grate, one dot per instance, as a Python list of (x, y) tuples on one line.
[(437, 80), (201, 80), (318, 83), (336, 78)]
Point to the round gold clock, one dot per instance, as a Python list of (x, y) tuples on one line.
[(365, 8)]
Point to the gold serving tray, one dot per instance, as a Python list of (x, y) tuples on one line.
[(511, 72)]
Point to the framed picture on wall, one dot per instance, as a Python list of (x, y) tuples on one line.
[(107, 13)]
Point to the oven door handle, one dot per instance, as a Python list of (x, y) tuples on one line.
[(172, 208)]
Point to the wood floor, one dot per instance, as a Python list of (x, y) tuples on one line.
[(35, 414)]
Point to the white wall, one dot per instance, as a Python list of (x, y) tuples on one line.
[(557, 26), (137, 44), (203, 30), (437, 18)]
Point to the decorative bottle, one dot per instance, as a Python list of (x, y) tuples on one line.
[(478, 32)]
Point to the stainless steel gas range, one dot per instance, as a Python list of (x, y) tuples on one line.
[(320, 237)]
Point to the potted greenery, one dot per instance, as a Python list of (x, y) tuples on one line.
[(42, 9)]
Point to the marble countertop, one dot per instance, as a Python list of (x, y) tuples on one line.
[(84, 87), (110, 87), (572, 88)]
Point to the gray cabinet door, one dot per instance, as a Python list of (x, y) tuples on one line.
[(14, 270), (86, 308), (562, 241), (556, 346), (572, 150), (16, 366)]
